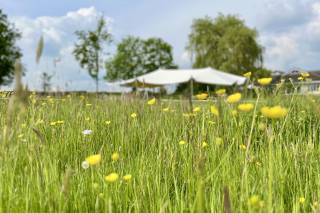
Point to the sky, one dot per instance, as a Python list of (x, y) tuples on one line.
[(289, 30)]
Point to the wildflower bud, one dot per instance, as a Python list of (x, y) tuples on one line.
[(85, 165)]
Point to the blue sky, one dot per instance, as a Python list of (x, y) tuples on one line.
[(288, 29)]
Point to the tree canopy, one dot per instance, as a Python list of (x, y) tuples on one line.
[(135, 56), (224, 43), (9, 52), (89, 48)]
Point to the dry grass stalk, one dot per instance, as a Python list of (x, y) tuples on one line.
[(226, 200), (39, 49), (17, 102)]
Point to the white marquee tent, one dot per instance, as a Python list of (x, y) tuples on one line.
[(165, 77)]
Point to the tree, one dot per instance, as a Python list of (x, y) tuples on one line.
[(46, 81), (135, 56), (9, 52), (261, 73), (89, 49), (225, 43)]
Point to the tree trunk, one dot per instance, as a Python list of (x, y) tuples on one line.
[(97, 67), (97, 84)]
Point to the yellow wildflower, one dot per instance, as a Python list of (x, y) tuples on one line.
[(53, 123), (166, 109), (245, 107), (221, 92), (127, 177), (264, 81), (300, 78), (152, 101), (274, 112), (107, 122), (214, 110), (87, 119), (182, 142), (218, 141), (302, 200), (247, 74), (115, 156), (134, 115), (112, 177), (204, 144), (255, 202), (202, 96), (197, 109), (60, 122), (305, 74), (94, 159), (242, 147), (234, 98)]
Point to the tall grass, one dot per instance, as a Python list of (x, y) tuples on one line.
[(40, 165)]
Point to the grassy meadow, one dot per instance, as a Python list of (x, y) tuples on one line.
[(161, 157)]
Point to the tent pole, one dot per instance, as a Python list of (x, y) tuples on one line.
[(191, 94)]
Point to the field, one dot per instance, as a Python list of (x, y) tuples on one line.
[(161, 157)]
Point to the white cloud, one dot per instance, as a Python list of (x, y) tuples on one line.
[(59, 37), (289, 43), (280, 50), (281, 15), (313, 27), (184, 60), (289, 29)]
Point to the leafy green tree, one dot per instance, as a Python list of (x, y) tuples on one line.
[(261, 73), (135, 56), (224, 43), (89, 49), (9, 52)]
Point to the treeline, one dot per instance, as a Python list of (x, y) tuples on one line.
[(225, 43)]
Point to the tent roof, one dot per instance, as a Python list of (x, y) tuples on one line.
[(164, 77)]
